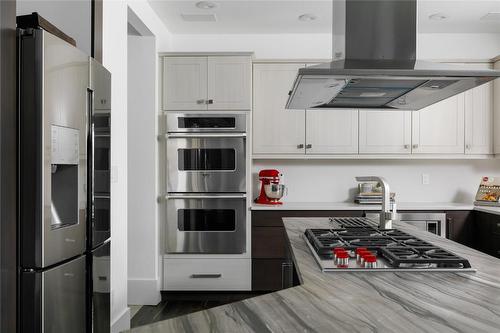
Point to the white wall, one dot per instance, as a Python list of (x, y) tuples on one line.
[(277, 46), (115, 60), (318, 46), (333, 180), (143, 237), (73, 17), (115, 16)]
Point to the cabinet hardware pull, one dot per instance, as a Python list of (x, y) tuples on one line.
[(200, 101), (467, 146), (300, 146), (309, 146), (407, 146), (415, 146), (210, 101), (205, 276)]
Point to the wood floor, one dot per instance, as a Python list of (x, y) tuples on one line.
[(178, 304)]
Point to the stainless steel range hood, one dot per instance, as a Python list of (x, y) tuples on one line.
[(375, 43)]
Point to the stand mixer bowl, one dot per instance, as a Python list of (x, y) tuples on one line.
[(275, 191)]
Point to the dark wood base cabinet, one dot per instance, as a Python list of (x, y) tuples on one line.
[(487, 233), (272, 274), (272, 265)]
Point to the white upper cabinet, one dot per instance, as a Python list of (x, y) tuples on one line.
[(207, 83), (275, 129), (479, 120), (384, 132), (229, 83), (332, 131), (184, 83), (439, 128)]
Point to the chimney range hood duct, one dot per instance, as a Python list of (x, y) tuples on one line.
[(375, 44)]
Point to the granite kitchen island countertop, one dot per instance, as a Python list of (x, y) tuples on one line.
[(363, 301)]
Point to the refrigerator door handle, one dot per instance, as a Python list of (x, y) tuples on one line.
[(90, 166)]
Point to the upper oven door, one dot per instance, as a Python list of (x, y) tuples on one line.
[(214, 123), (206, 162)]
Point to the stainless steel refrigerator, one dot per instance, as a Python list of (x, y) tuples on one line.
[(64, 227)]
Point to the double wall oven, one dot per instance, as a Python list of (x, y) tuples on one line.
[(206, 183)]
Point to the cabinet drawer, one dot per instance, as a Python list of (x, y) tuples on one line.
[(206, 274), (271, 274), (269, 242)]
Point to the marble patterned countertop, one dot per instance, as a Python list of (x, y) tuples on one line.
[(361, 302)]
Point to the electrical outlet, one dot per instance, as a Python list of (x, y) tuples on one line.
[(426, 179)]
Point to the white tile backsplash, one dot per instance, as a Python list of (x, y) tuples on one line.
[(333, 180)]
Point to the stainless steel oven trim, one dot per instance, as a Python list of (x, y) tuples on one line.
[(172, 127)]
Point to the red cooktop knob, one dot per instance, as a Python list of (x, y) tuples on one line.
[(360, 249), (370, 258), (342, 255)]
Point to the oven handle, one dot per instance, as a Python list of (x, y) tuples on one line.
[(205, 196), (204, 135)]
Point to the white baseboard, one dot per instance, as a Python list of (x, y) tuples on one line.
[(122, 323), (143, 292)]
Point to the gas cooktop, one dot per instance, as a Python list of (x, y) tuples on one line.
[(357, 244)]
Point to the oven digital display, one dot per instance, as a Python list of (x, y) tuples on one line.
[(206, 122), (206, 220), (219, 159)]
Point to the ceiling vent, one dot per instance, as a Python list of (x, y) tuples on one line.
[(199, 17)]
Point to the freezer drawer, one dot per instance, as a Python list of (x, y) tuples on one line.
[(99, 289), (54, 300)]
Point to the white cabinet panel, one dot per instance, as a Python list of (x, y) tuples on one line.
[(384, 132), (439, 128), (332, 131), (479, 120), (184, 83), (275, 129), (207, 274), (229, 83)]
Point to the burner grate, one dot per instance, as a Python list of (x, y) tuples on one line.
[(400, 249), (432, 256), (358, 222)]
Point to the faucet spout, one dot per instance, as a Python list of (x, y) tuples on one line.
[(385, 213)]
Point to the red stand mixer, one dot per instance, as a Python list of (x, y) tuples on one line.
[(271, 191)]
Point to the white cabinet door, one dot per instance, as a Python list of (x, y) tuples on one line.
[(479, 120), (439, 128), (229, 83), (275, 129), (332, 131), (184, 83), (384, 132)]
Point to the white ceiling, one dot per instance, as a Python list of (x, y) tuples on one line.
[(275, 17)]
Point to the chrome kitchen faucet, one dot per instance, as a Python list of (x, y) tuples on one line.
[(386, 214)]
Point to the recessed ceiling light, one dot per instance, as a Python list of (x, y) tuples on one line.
[(206, 5), (307, 17), (438, 17), (493, 16)]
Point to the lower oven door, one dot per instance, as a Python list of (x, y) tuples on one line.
[(208, 224), (204, 163)]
